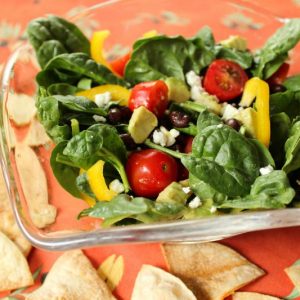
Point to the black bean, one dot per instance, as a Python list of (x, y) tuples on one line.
[(126, 114), (179, 119), (277, 88), (128, 141), (115, 115), (234, 124)]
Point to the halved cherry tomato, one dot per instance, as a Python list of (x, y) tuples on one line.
[(118, 65), (225, 79), (152, 94), (280, 75), (188, 144), (150, 171)]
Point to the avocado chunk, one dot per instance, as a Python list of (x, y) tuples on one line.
[(173, 193), (209, 101), (177, 90), (235, 42), (141, 124), (248, 118)]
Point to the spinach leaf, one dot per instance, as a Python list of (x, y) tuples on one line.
[(277, 47), (52, 35), (48, 50), (280, 126), (272, 66), (62, 89), (83, 185), (292, 148), (293, 83), (161, 57), (191, 129), (263, 153), (98, 142), (243, 58), (224, 159), (268, 191), (206, 119), (287, 102), (53, 110), (50, 115), (141, 209), (66, 175), (70, 67), (204, 191)]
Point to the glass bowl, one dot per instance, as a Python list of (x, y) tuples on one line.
[(127, 20)]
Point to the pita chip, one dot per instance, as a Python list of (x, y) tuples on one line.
[(154, 283), (34, 185), (36, 135), (211, 270), (252, 296), (14, 271), (8, 224), (21, 108), (72, 277), (294, 274)]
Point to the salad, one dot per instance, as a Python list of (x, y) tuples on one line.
[(178, 128)]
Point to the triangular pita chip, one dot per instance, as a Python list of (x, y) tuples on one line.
[(34, 186), (14, 269), (294, 274), (154, 283), (72, 277), (252, 296), (211, 270), (10, 228), (8, 224), (21, 108), (36, 135)]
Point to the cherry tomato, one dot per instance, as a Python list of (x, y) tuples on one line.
[(188, 144), (152, 94), (150, 171), (119, 64), (225, 79), (280, 75)]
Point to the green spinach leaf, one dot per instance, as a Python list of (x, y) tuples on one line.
[(280, 126), (268, 191), (292, 83), (66, 175), (276, 48), (62, 89), (224, 159), (52, 35), (243, 58), (71, 67), (292, 148), (98, 142), (83, 185)]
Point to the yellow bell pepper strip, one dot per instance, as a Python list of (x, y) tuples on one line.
[(97, 46), (89, 200), (258, 89), (97, 182), (118, 93), (150, 34)]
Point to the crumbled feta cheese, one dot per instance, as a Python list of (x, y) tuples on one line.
[(229, 112), (213, 209), (99, 118), (193, 79), (266, 170), (165, 137), (116, 186), (196, 202), (186, 189), (102, 99)]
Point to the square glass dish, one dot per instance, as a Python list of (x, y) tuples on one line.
[(127, 20)]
